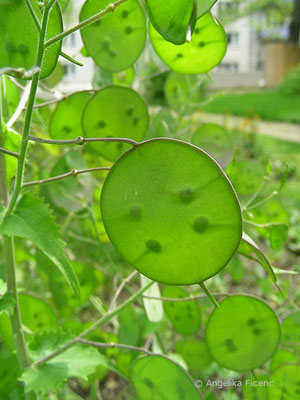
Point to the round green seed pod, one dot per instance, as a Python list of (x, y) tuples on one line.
[(243, 333), (171, 212)]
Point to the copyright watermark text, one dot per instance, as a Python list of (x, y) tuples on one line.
[(220, 384)]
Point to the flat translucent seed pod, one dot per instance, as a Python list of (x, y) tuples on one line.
[(184, 316), (115, 112), (195, 353), (66, 118), (287, 379), (155, 378), (116, 41), (205, 50), (19, 36), (216, 141), (246, 176), (172, 18), (251, 390), (188, 224), (283, 357), (71, 194), (184, 92), (243, 333), (291, 329), (203, 6)]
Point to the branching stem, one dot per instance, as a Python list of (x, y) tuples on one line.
[(114, 345), (8, 152), (80, 140), (74, 172)]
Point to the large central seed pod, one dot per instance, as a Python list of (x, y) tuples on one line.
[(171, 212)]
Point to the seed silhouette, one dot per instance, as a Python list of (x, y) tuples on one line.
[(135, 211), (153, 245), (200, 224)]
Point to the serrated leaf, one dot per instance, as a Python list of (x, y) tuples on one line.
[(44, 343), (79, 361), (44, 378), (7, 303), (33, 220)]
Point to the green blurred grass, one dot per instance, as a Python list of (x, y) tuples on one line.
[(268, 105)]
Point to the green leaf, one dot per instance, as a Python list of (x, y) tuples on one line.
[(117, 40), (12, 98), (250, 333), (172, 18), (129, 331), (9, 372), (66, 118), (7, 303), (205, 51), (32, 219), (165, 183), (115, 112), (156, 378), (203, 6), (287, 383), (185, 316), (79, 361), (47, 377), (19, 36)]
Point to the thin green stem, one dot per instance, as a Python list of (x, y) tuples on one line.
[(33, 15), (261, 186), (73, 172), (81, 140), (109, 9), (28, 116), (259, 203), (267, 225), (10, 267), (103, 320), (114, 345), (209, 295), (71, 59), (8, 152)]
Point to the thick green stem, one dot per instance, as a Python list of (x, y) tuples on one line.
[(209, 295), (10, 265), (28, 116)]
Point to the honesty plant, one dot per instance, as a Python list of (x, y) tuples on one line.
[(167, 206)]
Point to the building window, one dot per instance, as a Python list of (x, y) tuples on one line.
[(233, 39), (228, 67), (69, 70)]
